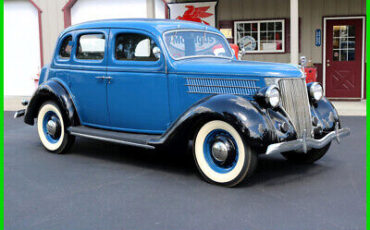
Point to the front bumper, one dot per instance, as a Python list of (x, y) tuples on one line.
[(306, 143)]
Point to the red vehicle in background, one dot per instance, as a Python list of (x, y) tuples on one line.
[(235, 49)]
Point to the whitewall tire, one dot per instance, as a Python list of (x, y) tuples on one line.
[(221, 155), (51, 128)]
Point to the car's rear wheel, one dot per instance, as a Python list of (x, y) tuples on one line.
[(306, 158), (221, 155), (51, 128)]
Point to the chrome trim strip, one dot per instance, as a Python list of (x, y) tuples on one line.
[(307, 143), (223, 86), (224, 79), (112, 140), (218, 93), (276, 80)]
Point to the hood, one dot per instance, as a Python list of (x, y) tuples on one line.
[(220, 66)]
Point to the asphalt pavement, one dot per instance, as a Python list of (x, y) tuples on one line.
[(101, 185)]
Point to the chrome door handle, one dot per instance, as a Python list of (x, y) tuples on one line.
[(103, 77)]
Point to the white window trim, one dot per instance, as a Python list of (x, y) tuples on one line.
[(258, 34)]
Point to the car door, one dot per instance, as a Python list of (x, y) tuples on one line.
[(137, 92), (88, 74)]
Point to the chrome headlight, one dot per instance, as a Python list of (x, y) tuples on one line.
[(315, 90), (272, 96)]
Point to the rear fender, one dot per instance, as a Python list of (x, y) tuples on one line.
[(55, 91)]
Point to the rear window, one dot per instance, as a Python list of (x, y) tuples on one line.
[(66, 48), (91, 47)]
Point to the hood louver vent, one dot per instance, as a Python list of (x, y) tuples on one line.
[(222, 86)]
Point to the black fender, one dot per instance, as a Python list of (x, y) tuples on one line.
[(52, 90), (244, 115), (327, 116)]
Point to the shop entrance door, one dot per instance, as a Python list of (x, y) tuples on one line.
[(343, 60)]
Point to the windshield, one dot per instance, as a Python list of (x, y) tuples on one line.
[(183, 44)]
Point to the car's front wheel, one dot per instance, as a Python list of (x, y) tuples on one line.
[(306, 158), (221, 154), (51, 128)]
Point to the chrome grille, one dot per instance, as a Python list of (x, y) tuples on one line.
[(296, 103)]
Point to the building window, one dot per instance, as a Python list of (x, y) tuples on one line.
[(344, 37), (134, 47), (91, 47), (264, 36)]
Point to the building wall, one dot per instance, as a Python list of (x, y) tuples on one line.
[(52, 24), (311, 14), (255, 9)]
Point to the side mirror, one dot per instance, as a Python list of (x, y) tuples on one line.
[(156, 52)]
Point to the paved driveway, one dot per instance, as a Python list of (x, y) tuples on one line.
[(106, 186)]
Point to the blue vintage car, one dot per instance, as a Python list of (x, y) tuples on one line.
[(153, 83)]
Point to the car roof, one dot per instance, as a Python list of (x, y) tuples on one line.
[(151, 25)]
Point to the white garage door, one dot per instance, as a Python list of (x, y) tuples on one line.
[(87, 10), (21, 47)]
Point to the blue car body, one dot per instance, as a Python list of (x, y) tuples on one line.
[(170, 97)]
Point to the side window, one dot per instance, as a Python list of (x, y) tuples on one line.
[(66, 48), (134, 47), (91, 47)]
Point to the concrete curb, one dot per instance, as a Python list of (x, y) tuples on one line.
[(350, 108), (13, 103)]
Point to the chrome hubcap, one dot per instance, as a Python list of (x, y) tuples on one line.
[(223, 151), (220, 151), (51, 127)]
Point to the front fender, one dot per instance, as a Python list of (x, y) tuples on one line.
[(326, 114), (51, 90), (242, 114)]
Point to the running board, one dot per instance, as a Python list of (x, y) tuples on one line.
[(133, 139)]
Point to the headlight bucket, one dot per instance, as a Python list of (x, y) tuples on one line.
[(315, 91), (268, 96), (273, 96)]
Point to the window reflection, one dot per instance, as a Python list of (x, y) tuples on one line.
[(344, 42)]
